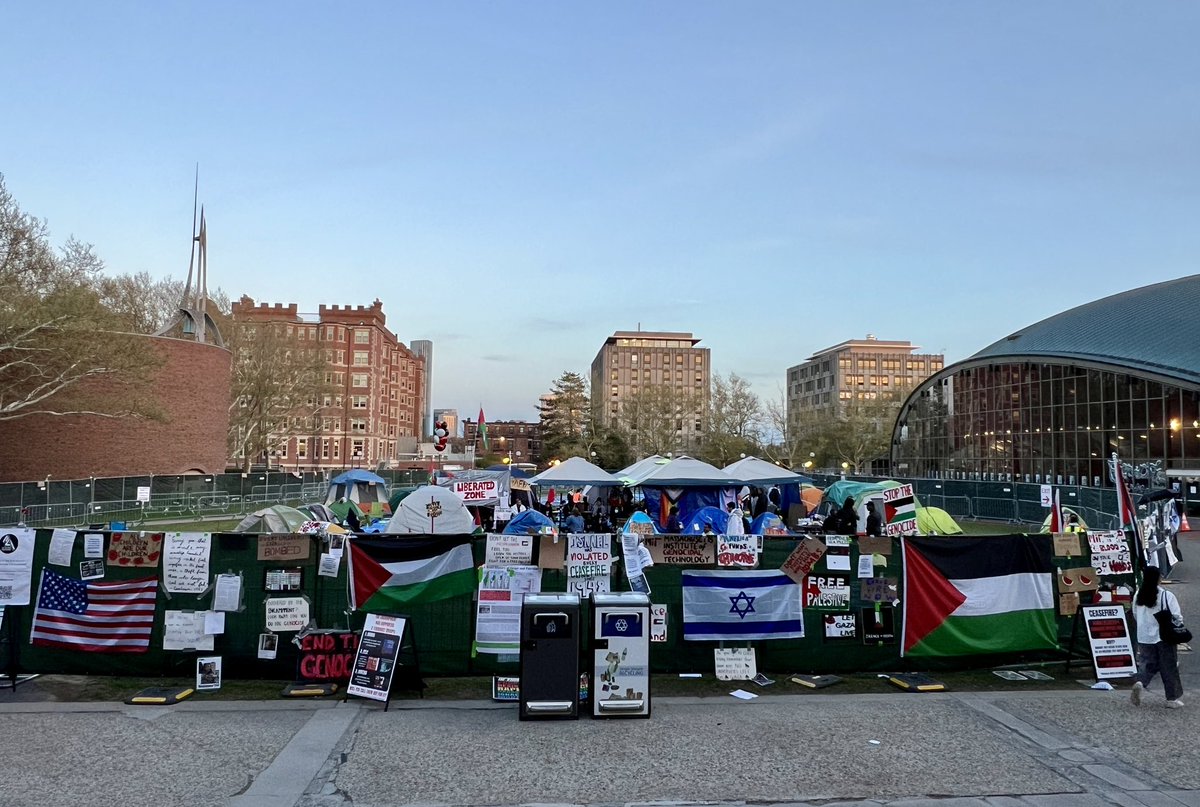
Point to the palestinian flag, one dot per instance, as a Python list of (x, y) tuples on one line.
[(391, 573), (483, 429), (970, 596)]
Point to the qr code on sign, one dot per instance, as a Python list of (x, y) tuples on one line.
[(5, 592)]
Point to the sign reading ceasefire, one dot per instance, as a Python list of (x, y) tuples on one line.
[(480, 491)]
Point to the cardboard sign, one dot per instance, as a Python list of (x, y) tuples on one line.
[(135, 550), (826, 592), (283, 547), (326, 656), (803, 558), (840, 626), (682, 550), (1110, 563), (1066, 545), (875, 545), (879, 589), (740, 551), (1108, 636), (552, 552), (286, 614), (1083, 578), (1068, 604)]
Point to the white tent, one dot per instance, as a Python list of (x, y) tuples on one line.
[(753, 471), (633, 474), (431, 510), (684, 472), (575, 471)]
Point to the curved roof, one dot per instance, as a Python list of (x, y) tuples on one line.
[(1152, 329)]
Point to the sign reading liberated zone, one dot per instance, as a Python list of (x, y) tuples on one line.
[(899, 510), (480, 491)]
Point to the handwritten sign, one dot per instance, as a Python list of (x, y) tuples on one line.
[(1066, 544), (283, 547), (136, 550), (326, 656), (658, 623), (640, 527), (184, 630), (476, 492), (840, 626), (185, 562), (589, 563), (879, 589), (506, 550), (737, 550), (681, 550), (826, 592), (1109, 541), (899, 510), (1107, 563), (285, 614), (803, 558), (735, 663)]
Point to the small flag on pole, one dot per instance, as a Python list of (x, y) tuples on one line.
[(483, 429)]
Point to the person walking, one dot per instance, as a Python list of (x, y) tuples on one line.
[(1155, 657), (735, 525)]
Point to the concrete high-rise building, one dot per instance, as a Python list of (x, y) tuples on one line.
[(374, 392), (855, 370), (643, 375), (424, 349)]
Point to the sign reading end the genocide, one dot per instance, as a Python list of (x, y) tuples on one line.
[(325, 657)]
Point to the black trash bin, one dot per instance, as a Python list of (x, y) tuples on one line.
[(550, 643)]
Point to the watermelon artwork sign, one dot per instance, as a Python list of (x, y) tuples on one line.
[(899, 511)]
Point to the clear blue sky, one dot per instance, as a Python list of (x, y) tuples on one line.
[(518, 180)]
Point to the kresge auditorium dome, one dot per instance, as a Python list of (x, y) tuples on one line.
[(1051, 402)]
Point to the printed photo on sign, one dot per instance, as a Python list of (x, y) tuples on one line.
[(878, 625), (268, 646), (208, 672), (91, 569)]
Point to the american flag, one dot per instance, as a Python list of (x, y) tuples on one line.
[(104, 617)]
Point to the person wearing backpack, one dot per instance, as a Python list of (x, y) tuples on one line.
[(1155, 656)]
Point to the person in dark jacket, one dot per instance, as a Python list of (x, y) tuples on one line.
[(352, 522), (673, 526), (874, 522), (846, 518)]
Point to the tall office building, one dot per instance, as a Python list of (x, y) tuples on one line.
[(449, 417), (855, 370), (639, 370), (424, 349)]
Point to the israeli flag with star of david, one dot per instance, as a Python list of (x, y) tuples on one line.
[(729, 605)]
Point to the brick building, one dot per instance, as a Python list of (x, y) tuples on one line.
[(375, 387), (515, 440), (191, 389)]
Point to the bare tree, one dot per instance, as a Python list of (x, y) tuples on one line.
[(56, 334), (786, 444), (735, 421), (652, 420), (277, 390)]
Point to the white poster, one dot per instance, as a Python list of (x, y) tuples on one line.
[(658, 623), (185, 562), (735, 663), (330, 564), (93, 545), (739, 551), (62, 544), (1108, 637), (16, 564), (502, 589), (589, 563), (184, 630), (227, 593), (286, 614), (509, 550), (1047, 496)]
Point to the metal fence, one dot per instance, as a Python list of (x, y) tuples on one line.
[(58, 503)]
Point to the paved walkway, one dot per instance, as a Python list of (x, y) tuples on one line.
[(1076, 747)]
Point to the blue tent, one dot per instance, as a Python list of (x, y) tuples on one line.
[(767, 524), (357, 475), (527, 522), (713, 517), (517, 473), (640, 518), (369, 491)]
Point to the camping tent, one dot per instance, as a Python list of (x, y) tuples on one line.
[(763, 474), (431, 510), (768, 524), (367, 490), (530, 521), (276, 519), (319, 512), (398, 495), (640, 522), (340, 509), (938, 521), (688, 484), (714, 518), (575, 471)]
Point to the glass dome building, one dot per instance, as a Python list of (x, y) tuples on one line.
[(1052, 401)]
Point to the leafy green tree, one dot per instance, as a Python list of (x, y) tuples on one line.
[(735, 421), (566, 419)]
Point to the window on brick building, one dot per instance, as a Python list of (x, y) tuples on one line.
[(358, 402), (301, 448), (358, 380), (362, 358), (362, 337)]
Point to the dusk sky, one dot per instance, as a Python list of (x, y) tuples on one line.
[(517, 181)]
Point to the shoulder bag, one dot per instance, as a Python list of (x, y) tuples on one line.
[(1170, 627)]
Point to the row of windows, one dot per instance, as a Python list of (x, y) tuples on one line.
[(1042, 420)]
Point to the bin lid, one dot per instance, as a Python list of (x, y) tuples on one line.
[(624, 598), (551, 599)]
